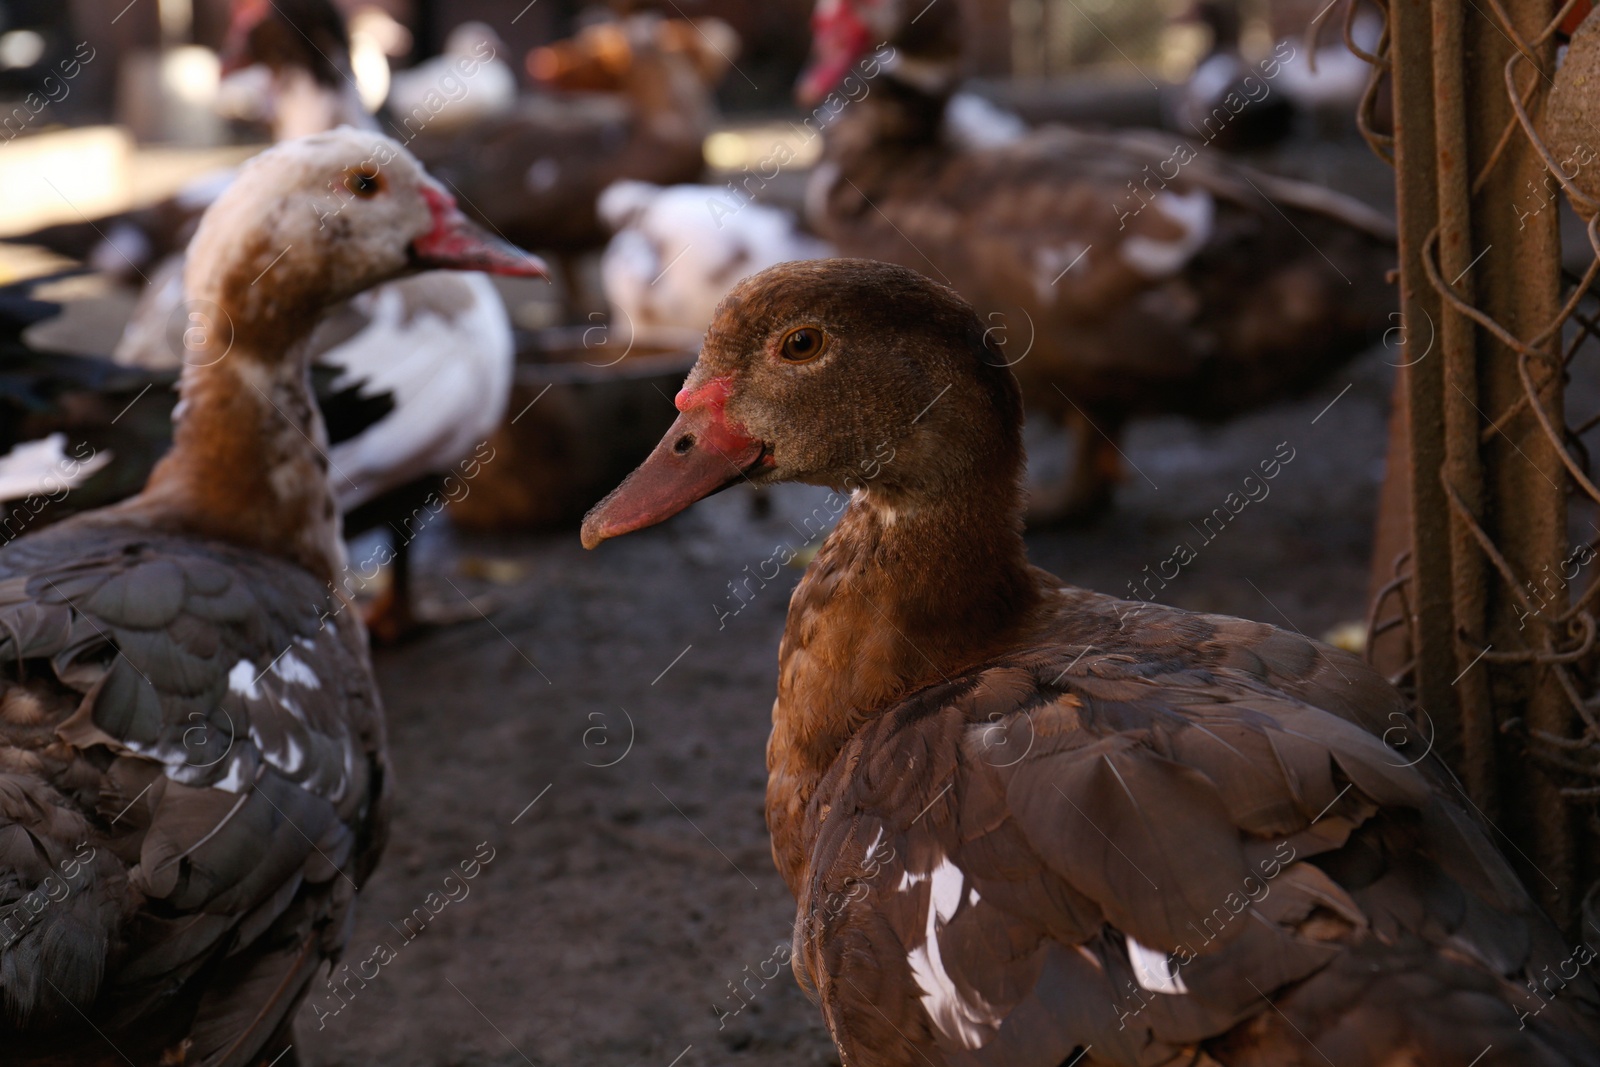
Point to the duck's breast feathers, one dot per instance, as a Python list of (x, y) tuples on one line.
[(1102, 846), (203, 722)]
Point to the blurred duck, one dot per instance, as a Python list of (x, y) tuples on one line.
[(1331, 80), (678, 249), (1227, 101), (287, 64), (467, 83), (599, 58), (298, 52), (629, 99), (195, 783), (1310, 77), (1034, 826), (1129, 273), (69, 428)]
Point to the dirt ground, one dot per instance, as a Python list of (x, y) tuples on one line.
[(602, 738)]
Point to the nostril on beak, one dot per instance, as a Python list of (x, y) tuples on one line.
[(683, 444)]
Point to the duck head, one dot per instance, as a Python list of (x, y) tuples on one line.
[(852, 374), (926, 40), (316, 220)]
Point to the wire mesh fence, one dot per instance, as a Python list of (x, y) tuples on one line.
[(1485, 607)]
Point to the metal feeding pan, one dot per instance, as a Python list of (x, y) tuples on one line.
[(585, 409)]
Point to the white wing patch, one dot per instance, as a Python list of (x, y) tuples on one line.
[(975, 123), (289, 760), (43, 468), (235, 779), (968, 1023), (242, 680), (294, 670), (1193, 212), (1153, 970), (872, 849)]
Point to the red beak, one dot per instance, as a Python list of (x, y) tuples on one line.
[(458, 243), (838, 39), (700, 455)]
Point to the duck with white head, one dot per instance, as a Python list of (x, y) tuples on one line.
[(192, 763)]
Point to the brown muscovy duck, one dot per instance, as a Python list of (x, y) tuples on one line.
[(1033, 825), (1129, 273), (192, 770)]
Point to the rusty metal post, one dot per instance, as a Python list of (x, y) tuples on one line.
[(1524, 483), (1462, 474), (1432, 625)]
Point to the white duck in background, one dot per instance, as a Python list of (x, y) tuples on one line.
[(442, 355), (678, 249), (468, 82)]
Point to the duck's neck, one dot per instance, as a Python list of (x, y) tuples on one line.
[(900, 596), (248, 463)]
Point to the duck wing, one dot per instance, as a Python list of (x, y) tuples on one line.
[(1161, 842), (191, 790)]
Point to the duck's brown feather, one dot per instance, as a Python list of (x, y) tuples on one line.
[(222, 817), (1213, 789)]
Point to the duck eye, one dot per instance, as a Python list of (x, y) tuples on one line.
[(803, 345), (362, 183)]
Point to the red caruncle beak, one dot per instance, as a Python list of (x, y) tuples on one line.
[(457, 243), (703, 453)]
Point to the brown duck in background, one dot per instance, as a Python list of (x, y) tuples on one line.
[(1129, 274), (192, 767), (1033, 825)]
